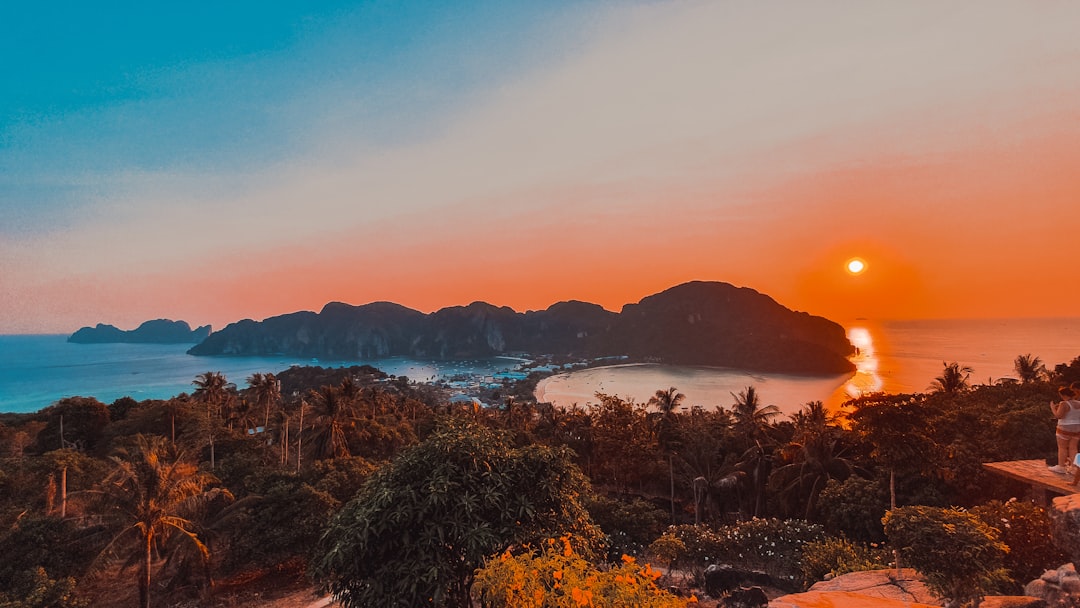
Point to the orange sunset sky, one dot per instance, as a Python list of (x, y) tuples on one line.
[(434, 155)]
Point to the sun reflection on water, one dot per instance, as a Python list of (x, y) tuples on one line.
[(866, 379)]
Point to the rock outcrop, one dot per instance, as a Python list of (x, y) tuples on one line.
[(698, 323), (1059, 587), (869, 589)]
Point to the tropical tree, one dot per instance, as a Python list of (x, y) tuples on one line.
[(420, 528), (953, 379), (750, 417), (334, 417), (212, 389), (896, 427), (267, 393), (1029, 368), (152, 496), (666, 402)]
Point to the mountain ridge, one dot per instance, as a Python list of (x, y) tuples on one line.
[(696, 323)]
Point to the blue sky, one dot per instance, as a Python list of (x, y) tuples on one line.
[(97, 89)]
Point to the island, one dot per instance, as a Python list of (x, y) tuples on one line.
[(696, 323), (158, 331)]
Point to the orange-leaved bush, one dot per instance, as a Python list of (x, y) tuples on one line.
[(557, 577)]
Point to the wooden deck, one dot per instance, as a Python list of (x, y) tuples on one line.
[(1035, 474)]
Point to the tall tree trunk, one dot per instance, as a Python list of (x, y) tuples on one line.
[(892, 506), (671, 476), (63, 493), (144, 578), (299, 437)]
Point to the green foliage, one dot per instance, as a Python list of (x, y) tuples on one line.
[(689, 548), (34, 589), (43, 542), (854, 507), (285, 521), (558, 578), (835, 556), (82, 418), (423, 524), (1026, 529), (772, 545), (628, 525), (341, 478), (960, 555)]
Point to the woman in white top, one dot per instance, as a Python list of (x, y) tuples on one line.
[(1067, 412)]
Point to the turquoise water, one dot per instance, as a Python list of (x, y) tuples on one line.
[(896, 356), (36, 371)]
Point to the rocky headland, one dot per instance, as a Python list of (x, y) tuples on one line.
[(697, 323), (158, 331)]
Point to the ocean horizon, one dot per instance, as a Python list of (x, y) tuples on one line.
[(894, 356)]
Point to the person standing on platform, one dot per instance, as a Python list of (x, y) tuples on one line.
[(1067, 412)]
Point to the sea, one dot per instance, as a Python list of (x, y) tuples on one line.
[(38, 370), (893, 356)]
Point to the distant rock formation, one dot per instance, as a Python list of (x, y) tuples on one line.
[(698, 323), (159, 331)]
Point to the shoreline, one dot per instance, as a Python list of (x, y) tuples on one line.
[(703, 386)]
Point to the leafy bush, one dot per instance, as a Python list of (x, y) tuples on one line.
[(772, 545), (34, 589), (558, 578), (688, 548), (628, 526), (1026, 529), (835, 556), (285, 521), (959, 554), (423, 524), (854, 508)]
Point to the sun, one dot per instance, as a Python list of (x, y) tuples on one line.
[(856, 266)]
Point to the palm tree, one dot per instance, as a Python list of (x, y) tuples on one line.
[(1029, 369), (152, 497), (816, 458), (814, 417), (281, 425), (666, 402), (334, 417), (212, 389), (953, 379), (750, 417), (267, 393), (751, 420)]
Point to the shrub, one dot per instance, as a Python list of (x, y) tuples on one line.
[(628, 526), (835, 556), (772, 545), (959, 554), (34, 589), (688, 548), (558, 578), (854, 508), (1026, 529)]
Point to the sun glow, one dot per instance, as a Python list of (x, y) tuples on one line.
[(856, 266)]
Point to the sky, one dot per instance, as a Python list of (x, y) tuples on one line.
[(219, 161)]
